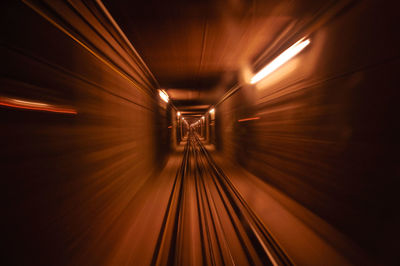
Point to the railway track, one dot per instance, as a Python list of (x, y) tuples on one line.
[(207, 222)]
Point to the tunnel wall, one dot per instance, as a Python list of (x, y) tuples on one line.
[(66, 177), (324, 129)]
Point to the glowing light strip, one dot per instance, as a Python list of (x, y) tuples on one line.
[(248, 119), (36, 106), (280, 60), (163, 95), (29, 103)]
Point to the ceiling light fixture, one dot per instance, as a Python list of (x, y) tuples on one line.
[(280, 60), (212, 111), (179, 114), (163, 95)]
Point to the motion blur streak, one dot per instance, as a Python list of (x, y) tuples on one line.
[(248, 119), (207, 215), (29, 105), (280, 60), (219, 132), (163, 96)]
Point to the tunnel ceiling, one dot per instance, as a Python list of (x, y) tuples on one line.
[(198, 49)]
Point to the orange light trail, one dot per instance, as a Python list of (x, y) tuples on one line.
[(36, 106), (248, 119)]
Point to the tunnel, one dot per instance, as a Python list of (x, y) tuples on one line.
[(214, 132)]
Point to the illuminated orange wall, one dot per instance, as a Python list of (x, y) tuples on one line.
[(63, 173), (326, 131)]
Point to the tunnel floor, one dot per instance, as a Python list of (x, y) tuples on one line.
[(203, 210), (207, 221)]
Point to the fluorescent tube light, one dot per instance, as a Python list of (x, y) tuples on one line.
[(280, 60), (163, 95)]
